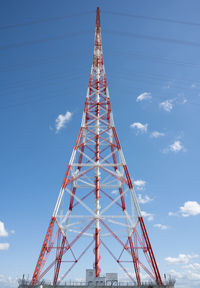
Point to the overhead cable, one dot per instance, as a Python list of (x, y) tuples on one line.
[(42, 40), (152, 18), (154, 38), (44, 20)]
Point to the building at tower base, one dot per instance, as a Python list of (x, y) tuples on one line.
[(169, 284), (110, 279)]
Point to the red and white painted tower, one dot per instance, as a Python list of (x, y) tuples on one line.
[(97, 206)]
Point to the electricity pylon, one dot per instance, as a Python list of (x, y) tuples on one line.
[(97, 205)]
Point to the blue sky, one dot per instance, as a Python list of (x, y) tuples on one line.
[(155, 94)]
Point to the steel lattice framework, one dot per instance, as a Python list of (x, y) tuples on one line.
[(97, 202)]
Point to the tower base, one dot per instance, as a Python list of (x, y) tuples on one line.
[(45, 284)]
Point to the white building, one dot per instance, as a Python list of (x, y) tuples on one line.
[(109, 279)]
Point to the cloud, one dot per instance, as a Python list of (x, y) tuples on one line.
[(144, 200), (144, 96), (156, 134), (147, 215), (4, 246), (186, 278), (193, 266), (193, 85), (139, 184), (139, 127), (187, 272), (61, 120), (8, 282), (161, 226), (114, 192), (173, 213), (175, 147), (181, 259), (3, 232), (168, 84), (184, 100), (167, 105), (190, 208)]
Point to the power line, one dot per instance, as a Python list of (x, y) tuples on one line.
[(40, 61), (154, 38), (112, 32), (36, 98), (160, 77), (42, 40), (156, 58), (152, 18), (153, 78), (142, 80), (44, 20), (57, 18), (139, 56), (34, 84), (180, 83), (15, 87)]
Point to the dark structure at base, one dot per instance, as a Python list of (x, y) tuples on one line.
[(26, 284)]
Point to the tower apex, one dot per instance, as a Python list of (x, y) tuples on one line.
[(98, 17)]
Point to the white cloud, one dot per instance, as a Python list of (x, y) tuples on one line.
[(173, 213), (147, 215), (161, 226), (140, 127), (3, 232), (186, 278), (167, 105), (144, 200), (4, 246), (175, 147), (190, 208), (114, 192), (184, 101), (181, 259), (139, 184), (156, 134), (169, 84), (187, 272), (193, 266), (193, 85), (61, 120), (144, 96), (8, 282), (12, 231)]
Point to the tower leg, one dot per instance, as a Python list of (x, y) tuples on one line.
[(135, 260), (97, 243), (58, 260), (150, 251), (43, 252)]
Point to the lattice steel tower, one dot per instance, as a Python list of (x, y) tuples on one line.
[(97, 202)]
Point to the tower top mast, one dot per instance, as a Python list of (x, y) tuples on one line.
[(98, 24)]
